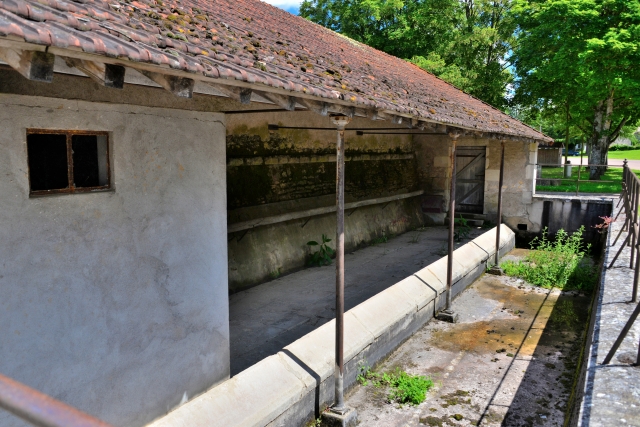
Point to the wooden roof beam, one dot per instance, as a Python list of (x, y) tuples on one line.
[(319, 107), (284, 101), (240, 94), (33, 65), (179, 86), (109, 75)]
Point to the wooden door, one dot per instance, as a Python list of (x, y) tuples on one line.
[(470, 164)]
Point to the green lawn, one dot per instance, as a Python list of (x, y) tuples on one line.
[(629, 155), (613, 174)]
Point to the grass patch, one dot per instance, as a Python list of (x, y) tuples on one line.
[(627, 154), (612, 174), (560, 263), (403, 387)]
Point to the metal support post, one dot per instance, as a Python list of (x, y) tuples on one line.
[(496, 267), (633, 230), (579, 169), (339, 407), (447, 314), (633, 221)]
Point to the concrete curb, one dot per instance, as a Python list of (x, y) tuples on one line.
[(292, 387)]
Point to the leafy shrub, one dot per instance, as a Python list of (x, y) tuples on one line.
[(323, 255), (560, 263)]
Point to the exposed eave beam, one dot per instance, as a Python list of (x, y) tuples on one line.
[(318, 107), (284, 101), (34, 65), (109, 75), (343, 109), (241, 94), (179, 86)]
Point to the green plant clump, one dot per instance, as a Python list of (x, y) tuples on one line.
[(404, 388), (560, 263), (323, 255), (461, 229)]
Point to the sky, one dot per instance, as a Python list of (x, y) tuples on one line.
[(291, 6)]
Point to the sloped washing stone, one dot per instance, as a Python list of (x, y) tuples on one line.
[(487, 241), (470, 255), (427, 276), (439, 269), (316, 350), (417, 290), (252, 398), (382, 311)]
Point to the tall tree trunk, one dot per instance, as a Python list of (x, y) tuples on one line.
[(599, 139)]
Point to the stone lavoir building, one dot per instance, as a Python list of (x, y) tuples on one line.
[(157, 155)]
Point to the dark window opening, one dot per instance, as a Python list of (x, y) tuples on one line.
[(67, 162), (48, 167)]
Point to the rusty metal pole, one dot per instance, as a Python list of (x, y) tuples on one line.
[(339, 407), (447, 314), (633, 221), (40, 409), (499, 222)]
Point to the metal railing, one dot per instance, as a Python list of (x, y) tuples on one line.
[(40, 409), (630, 198)]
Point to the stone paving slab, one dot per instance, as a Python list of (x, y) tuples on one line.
[(612, 392)]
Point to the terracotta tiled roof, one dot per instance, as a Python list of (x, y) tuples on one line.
[(254, 42)]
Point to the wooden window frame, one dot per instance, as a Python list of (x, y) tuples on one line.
[(71, 189)]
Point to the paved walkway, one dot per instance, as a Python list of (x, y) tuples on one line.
[(266, 318), (612, 392)]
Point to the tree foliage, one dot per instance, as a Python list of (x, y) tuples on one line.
[(579, 59), (464, 42)]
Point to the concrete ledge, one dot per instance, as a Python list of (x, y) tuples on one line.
[(252, 398), (317, 349), (292, 387)]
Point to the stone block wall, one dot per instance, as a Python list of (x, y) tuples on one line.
[(290, 170), (434, 171)]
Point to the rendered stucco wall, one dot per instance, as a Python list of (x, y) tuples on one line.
[(434, 170), (116, 302)]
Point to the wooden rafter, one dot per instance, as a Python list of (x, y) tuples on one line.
[(34, 65)]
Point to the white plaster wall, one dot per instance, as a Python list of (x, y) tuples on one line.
[(116, 302)]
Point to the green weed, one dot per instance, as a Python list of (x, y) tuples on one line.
[(404, 388), (275, 274), (381, 239), (560, 263), (323, 255), (461, 229)]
